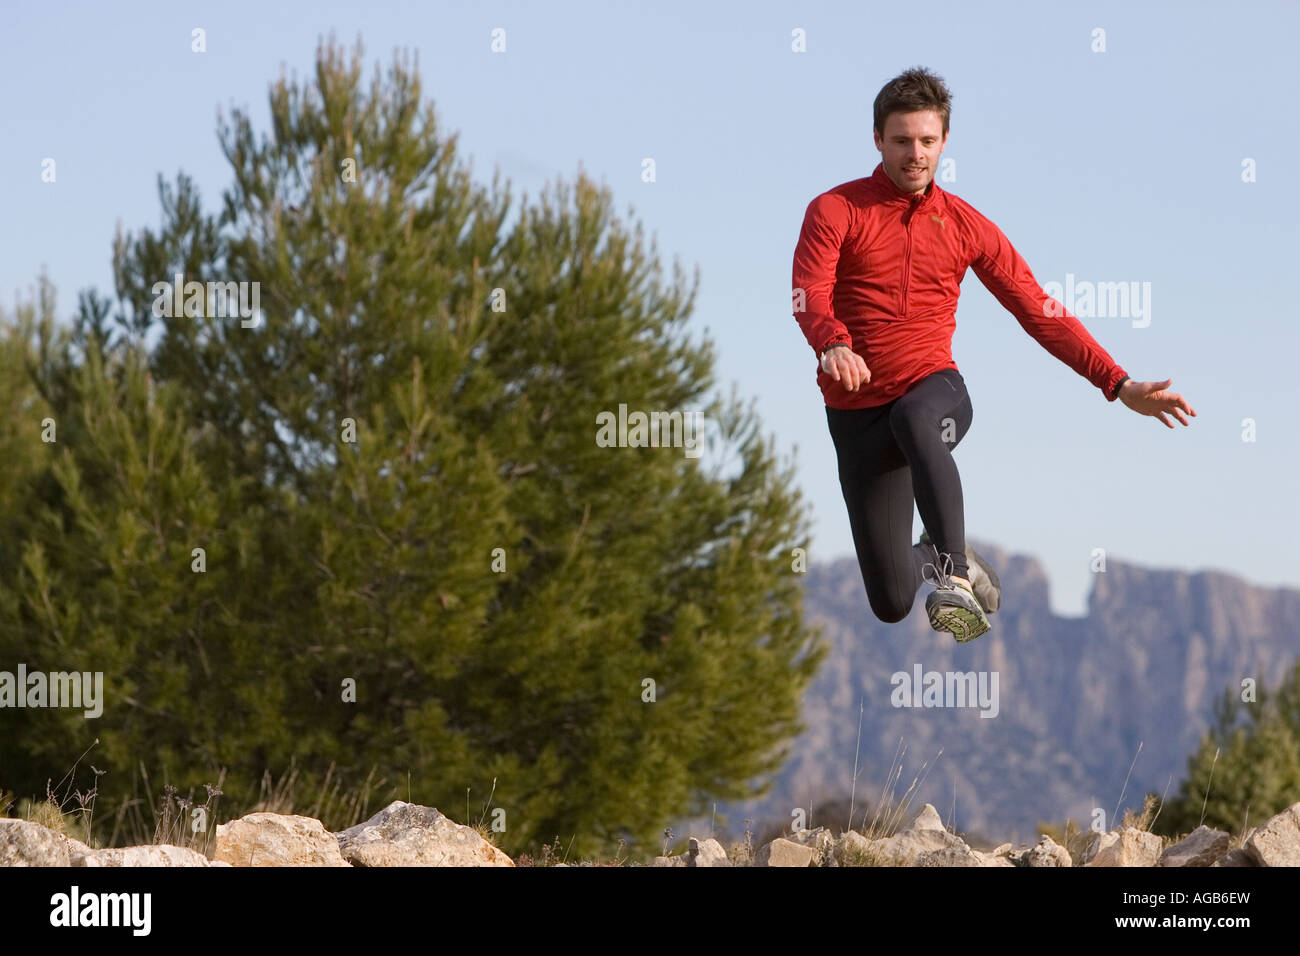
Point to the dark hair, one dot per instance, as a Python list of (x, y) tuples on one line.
[(912, 90)]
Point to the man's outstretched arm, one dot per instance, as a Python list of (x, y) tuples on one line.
[(1005, 273)]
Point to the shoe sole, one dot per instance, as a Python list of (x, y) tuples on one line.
[(962, 623)]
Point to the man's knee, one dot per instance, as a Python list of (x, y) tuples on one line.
[(889, 609)]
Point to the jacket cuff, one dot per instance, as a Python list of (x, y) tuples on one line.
[(1112, 393), (839, 339)]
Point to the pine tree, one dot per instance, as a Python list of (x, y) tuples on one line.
[(398, 473), (1242, 772), (119, 528)]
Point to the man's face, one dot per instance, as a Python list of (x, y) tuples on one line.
[(910, 148)]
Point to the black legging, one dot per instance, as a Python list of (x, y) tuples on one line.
[(888, 455)]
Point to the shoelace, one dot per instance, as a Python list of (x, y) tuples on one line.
[(942, 571)]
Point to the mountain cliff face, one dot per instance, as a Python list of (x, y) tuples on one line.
[(1075, 696)]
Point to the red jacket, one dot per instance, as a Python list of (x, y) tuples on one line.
[(882, 269)]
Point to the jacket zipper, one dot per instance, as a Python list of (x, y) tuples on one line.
[(913, 206), (907, 256)]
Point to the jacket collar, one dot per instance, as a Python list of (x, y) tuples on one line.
[(887, 187)]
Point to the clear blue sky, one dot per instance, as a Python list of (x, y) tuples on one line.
[(1116, 166)]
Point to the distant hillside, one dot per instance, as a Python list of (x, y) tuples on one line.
[(1076, 696)]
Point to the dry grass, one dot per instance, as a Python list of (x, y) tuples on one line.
[(180, 820), (149, 817)]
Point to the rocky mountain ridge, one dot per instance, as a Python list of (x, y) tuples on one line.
[(1075, 696)]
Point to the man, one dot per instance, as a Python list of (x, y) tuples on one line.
[(877, 273)]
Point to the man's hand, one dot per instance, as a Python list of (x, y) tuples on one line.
[(847, 367), (1150, 398)]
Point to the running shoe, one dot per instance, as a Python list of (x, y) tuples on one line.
[(983, 579), (952, 606)]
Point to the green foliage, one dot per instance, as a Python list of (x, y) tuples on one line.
[(1242, 774), (468, 354)]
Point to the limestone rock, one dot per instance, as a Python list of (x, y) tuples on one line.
[(154, 855), (406, 834), (1276, 841), (782, 852), (952, 856), (1046, 852), (1126, 847), (277, 839), (998, 856), (706, 853), (928, 819), (924, 843), (1093, 843), (994, 858), (24, 843), (1202, 847), (903, 849), (822, 843)]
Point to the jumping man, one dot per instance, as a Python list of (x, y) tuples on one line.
[(877, 273)]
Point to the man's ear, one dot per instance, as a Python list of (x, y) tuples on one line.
[(880, 143)]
